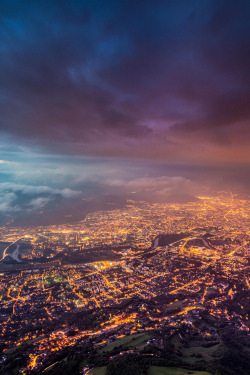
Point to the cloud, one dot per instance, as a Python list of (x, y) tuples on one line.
[(7, 200), (7, 162), (31, 189), (159, 189), (38, 203), (25, 198), (136, 79)]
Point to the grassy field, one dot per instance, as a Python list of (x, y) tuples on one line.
[(205, 352), (174, 305), (98, 371), (134, 340), (189, 354), (155, 370)]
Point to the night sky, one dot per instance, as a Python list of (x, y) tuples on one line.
[(100, 100)]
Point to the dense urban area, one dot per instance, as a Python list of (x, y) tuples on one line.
[(158, 288)]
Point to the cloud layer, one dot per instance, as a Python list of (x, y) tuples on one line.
[(105, 100), (151, 79), (16, 198)]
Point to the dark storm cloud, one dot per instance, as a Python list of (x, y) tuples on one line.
[(167, 79)]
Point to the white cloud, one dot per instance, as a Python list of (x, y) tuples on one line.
[(68, 193), (38, 203), (16, 197), (32, 189), (6, 202), (7, 162)]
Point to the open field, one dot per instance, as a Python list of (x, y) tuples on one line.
[(155, 370), (193, 352), (98, 371), (126, 341), (174, 305), (205, 352)]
